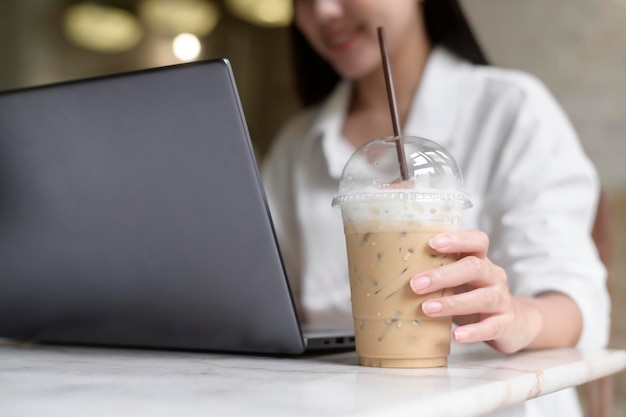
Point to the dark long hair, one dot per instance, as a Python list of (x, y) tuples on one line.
[(445, 25)]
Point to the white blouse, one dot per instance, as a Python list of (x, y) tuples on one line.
[(533, 189)]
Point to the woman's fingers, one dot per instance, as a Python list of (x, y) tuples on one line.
[(465, 242), (483, 300), (488, 329), (471, 270)]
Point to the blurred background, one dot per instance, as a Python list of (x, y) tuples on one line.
[(575, 46)]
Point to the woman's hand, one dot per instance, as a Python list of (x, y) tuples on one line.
[(482, 305)]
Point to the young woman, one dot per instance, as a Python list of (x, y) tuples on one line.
[(529, 275)]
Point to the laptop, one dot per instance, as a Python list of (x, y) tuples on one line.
[(132, 214)]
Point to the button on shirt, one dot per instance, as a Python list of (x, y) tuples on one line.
[(533, 189)]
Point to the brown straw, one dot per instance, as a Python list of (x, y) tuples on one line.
[(393, 107)]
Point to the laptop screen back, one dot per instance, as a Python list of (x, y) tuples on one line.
[(132, 213)]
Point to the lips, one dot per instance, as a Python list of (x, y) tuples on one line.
[(339, 40)]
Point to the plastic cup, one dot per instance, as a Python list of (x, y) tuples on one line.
[(387, 224)]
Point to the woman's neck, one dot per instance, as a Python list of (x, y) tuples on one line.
[(407, 66)]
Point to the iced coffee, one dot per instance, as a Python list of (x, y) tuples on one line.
[(387, 226)]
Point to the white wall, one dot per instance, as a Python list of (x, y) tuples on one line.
[(578, 48)]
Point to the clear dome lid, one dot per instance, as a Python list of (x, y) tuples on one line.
[(373, 172)]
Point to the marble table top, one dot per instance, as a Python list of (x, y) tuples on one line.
[(68, 381)]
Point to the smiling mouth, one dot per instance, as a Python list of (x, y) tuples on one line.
[(339, 41)]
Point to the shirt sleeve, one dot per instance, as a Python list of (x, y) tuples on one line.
[(541, 206)]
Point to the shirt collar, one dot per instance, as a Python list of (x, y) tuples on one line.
[(327, 127), (432, 115)]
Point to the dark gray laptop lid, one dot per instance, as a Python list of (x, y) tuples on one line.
[(132, 213)]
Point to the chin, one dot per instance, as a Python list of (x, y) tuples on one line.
[(353, 71)]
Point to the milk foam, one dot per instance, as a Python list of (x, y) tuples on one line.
[(407, 208)]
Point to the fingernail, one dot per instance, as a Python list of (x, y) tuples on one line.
[(439, 241), (421, 283), (432, 307), (460, 335)]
